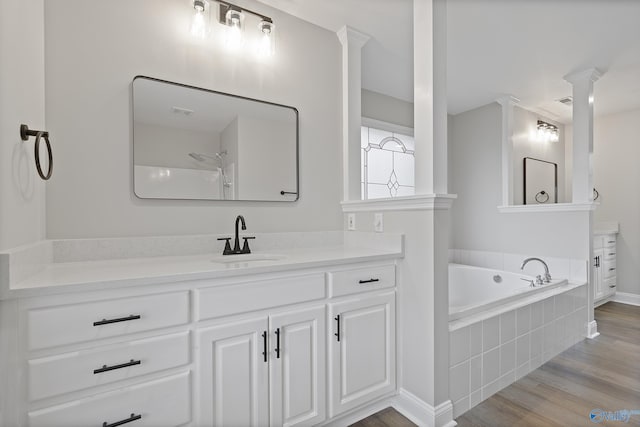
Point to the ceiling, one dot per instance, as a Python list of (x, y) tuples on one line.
[(498, 47)]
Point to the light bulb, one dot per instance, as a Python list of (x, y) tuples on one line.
[(199, 21), (234, 29), (265, 44)]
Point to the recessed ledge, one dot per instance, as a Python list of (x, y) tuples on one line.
[(556, 207), (425, 202)]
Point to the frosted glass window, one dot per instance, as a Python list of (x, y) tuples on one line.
[(387, 164)]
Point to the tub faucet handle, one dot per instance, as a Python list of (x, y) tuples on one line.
[(531, 284)]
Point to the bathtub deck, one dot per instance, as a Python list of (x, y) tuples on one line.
[(600, 373)]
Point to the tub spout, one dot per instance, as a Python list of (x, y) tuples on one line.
[(547, 276)]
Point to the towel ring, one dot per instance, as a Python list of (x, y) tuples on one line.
[(25, 133), (542, 197)]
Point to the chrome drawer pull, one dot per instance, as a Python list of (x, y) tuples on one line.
[(133, 417), (106, 368), (612, 286), (121, 319), (369, 281), (612, 241), (612, 253), (611, 269)]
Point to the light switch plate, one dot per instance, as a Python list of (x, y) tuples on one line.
[(351, 221), (378, 223)]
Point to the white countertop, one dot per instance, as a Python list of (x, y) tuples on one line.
[(64, 277)]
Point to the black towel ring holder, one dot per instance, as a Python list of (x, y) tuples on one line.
[(25, 133), (542, 197)]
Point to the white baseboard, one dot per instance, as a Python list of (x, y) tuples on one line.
[(421, 413), (592, 329), (360, 413), (626, 298)]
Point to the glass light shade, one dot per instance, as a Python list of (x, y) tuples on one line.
[(233, 39), (265, 46), (200, 21)]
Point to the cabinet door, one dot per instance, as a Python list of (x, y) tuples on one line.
[(233, 375), (362, 355), (597, 274), (297, 364)]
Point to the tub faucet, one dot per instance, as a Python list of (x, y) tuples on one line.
[(547, 276)]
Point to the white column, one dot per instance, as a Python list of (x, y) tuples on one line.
[(352, 43), (430, 95), (582, 82), (508, 104)]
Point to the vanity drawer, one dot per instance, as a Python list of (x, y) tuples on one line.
[(241, 298), (610, 253), (609, 285), (609, 241), (163, 402), (608, 268), (64, 373), (361, 279), (69, 324)]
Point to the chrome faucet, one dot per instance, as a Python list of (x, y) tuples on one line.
[(236, 244), (547, 276)]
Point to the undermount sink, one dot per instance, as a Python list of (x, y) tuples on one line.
[(245, 258)]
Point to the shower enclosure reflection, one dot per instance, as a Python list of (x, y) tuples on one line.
[(192, 143)]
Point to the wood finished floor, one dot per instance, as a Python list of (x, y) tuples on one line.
[(600, 373)]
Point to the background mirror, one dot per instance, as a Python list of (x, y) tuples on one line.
[(192, 143), (540, 181)]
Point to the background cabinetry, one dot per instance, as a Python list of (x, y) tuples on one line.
[(604, 267)]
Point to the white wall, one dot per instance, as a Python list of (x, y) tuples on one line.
[(616, 176), (94, 50), (386, 108), (22, 193), (525, 125), (168, 146), (476, 179)]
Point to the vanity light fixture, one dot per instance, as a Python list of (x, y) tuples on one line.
[(200, 20), (232, 17), (547, 132)]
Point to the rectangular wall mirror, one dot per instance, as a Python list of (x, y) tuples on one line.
[(193, 143), (540, 181)]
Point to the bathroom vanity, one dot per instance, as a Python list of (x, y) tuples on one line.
[(297, 339)]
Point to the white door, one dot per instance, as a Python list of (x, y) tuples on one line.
[(362, 351), (234, 375), (297, 364)]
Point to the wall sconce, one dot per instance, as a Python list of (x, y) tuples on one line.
[(232, 17), (547, 132), (201, 19)]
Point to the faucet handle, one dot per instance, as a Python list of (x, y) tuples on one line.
[(245, 246), (539, 281), (227, 245)]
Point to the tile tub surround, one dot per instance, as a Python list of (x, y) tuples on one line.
[(488, 355), (572, 269)]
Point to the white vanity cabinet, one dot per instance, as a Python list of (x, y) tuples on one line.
[(246, 350), (362, 351), (264, 371), (604, 267)]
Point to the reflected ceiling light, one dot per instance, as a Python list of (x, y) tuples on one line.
[(200, 20), (547, 132)]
